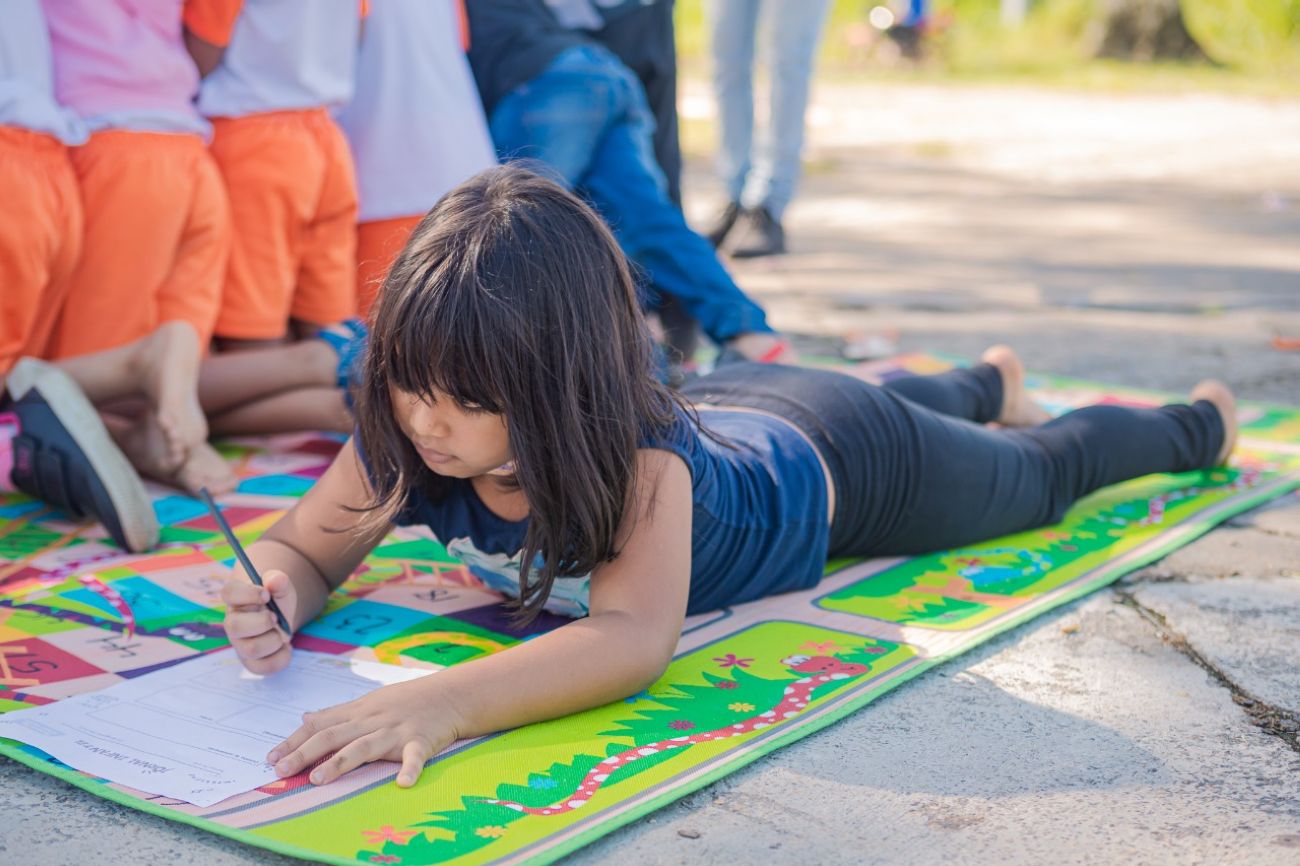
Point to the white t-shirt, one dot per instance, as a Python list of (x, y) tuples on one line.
[(27, 75), (285, 55), (415, 123)]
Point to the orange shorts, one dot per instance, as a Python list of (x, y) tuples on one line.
[(156, 242), (378, 243), (294, 200), (40, 239)]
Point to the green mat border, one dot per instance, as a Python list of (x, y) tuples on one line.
[(1101, 576)]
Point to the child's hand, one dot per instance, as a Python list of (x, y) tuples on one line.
[(405, 722), (250, 625)]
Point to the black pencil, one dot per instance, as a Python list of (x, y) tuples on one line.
[(242, 556)]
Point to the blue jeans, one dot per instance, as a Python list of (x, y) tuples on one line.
[(585, 116), (766, 178)]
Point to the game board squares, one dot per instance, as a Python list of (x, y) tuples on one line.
[(116, 652), (276, 485), (324, 447), (178, 509), (236, 516), (433, 599), (17, 623), (146, 599), (496, 617), (148, 669), (200, 583), (315, 644), (170, 560), (31, 661), (364, 623), (72, 687), (200, 630), (14, 507), (25, 578), (73, 554)]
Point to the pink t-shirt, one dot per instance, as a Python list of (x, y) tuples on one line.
[(123, 64)]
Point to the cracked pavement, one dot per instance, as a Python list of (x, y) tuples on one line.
[(1143, 240)]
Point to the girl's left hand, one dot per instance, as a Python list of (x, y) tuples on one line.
[(401, 722)]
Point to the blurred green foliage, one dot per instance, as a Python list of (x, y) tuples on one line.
[(1254, 45)]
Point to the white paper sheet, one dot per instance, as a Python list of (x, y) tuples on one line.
[(198, 731)]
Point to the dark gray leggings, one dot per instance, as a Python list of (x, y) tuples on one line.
[(916, 471)]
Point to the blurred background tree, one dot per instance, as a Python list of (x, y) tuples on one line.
[(1251, 45)]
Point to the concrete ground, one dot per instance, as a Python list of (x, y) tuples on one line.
[(1143, 240)]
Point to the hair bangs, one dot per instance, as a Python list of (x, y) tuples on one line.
[(448, 341)]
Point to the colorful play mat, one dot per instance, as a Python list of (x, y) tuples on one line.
[(78, 615)]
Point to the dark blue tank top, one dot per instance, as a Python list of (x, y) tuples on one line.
[(758, 525)]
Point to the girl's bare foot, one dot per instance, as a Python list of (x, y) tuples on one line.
[(1018, 408), (1221, 396), (168, 367)]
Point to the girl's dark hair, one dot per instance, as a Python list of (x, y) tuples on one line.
[(512, 295)]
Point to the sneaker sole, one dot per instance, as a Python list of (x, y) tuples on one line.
[(126, 491)]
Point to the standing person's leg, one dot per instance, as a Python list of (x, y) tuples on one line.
[(793, 31), (326, 285), (133, 221), (271, 168), (559, 117), (586, 119), (378, 243), (40, 240), (732, 28), (137, 189), (625, 185)]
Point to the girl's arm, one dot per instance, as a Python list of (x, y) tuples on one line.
[(638, 603), (300, 562)]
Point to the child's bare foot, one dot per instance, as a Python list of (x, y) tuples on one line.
[(144, 444), (1018, 408), (168, 367), (147, 446), (206, 468), (1221, 396)]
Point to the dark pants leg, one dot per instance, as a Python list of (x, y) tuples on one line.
[(910, 478)]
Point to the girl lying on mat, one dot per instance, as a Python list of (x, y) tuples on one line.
[(509, 402)]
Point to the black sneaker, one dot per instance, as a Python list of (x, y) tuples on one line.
[(63, 455), (763, 236), (723, 223)]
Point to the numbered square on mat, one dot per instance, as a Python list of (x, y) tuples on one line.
[(32, 662), (113, 651), (365, 623)]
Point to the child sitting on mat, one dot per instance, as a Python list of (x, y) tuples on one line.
[(509, 403)]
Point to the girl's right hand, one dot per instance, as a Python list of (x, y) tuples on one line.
[(258, 641)]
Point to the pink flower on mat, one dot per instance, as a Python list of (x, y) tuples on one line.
[(384, 858), (970, 560), (681, 725), (731, 660), (825, 647), (875, 650), (726, 684), (388, 833)]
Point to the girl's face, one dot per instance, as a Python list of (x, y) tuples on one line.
[(452, 440)]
